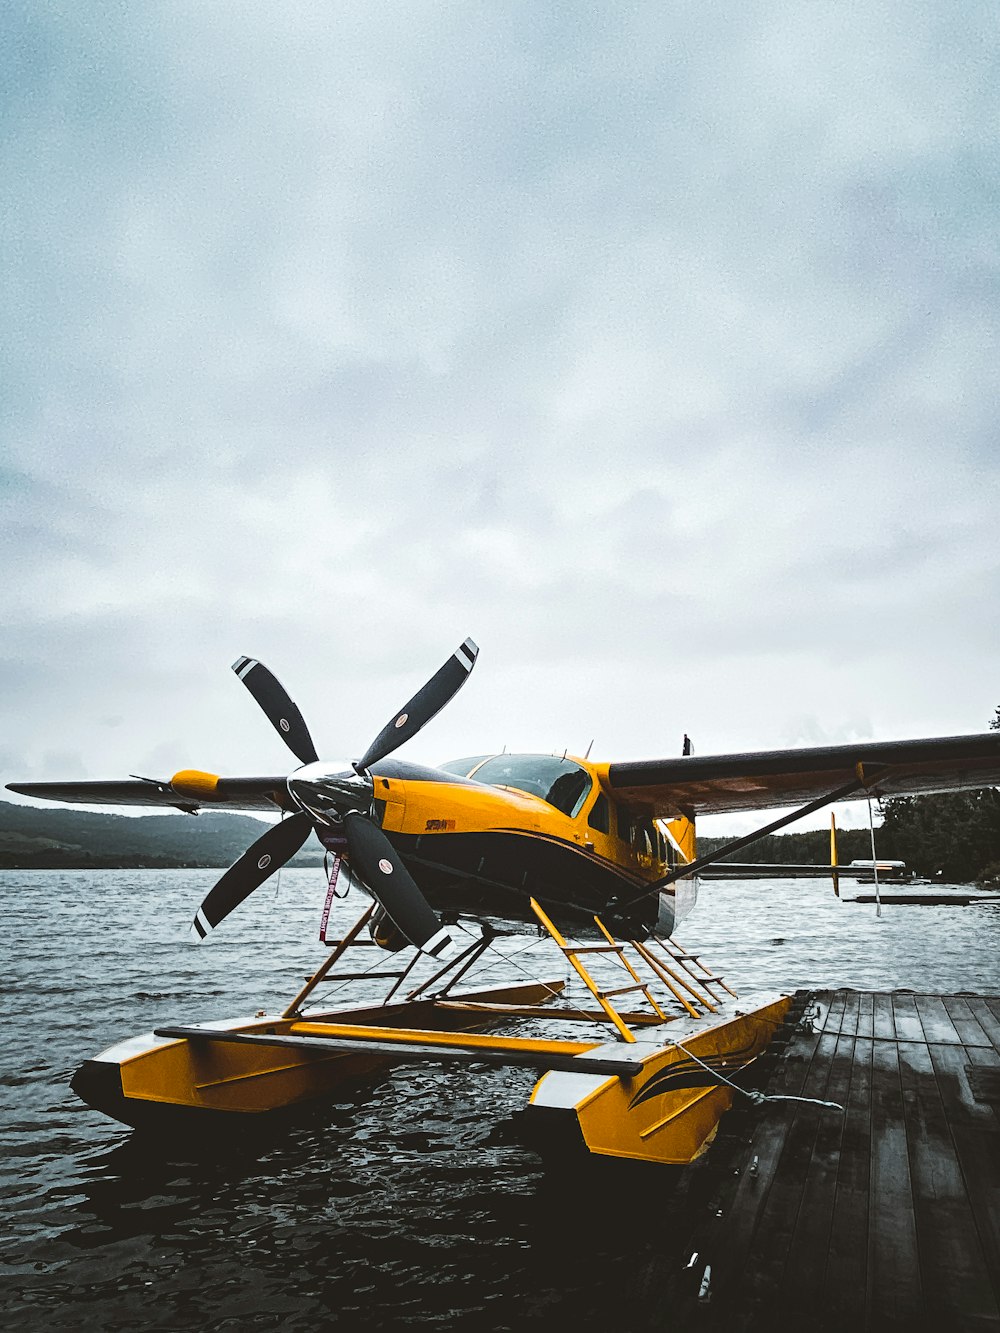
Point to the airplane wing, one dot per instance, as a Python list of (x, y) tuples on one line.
[(728, 783), (200, 790)]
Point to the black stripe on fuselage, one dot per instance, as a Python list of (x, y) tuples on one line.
[(495, 872)]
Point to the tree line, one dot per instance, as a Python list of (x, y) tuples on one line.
[(954, 836)]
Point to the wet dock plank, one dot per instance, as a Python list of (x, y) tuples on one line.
[(884, 1215)]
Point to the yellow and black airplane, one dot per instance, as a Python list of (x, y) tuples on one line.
[(486, 834), (524, 837)]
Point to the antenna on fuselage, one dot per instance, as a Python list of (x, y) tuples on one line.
[(589, 748)]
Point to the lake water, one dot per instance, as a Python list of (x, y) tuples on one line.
[(410, 1203)]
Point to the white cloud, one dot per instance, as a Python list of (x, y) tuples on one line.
[(656, 349)]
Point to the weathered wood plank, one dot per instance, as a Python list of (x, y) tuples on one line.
[(983, 1055), (975, 1133), (729, 1254), (866, 1011), (812, 1237), (967, 1025), (986, 1018), (954, 1273), (979, 1156), (950, 1064), (905, 1018), (849, 1018), (884, 1027), (768, 1255), (934, 1019), (895, 1295), (845, 1278), (886, 1217)]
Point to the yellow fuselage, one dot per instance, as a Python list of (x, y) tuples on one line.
[(474, 845)]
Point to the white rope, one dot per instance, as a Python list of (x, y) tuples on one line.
[(758, 1098)]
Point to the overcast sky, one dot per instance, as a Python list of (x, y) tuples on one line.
[(652, 345)]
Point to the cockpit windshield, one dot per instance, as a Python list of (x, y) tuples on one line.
[(561, 782), (463, 767)]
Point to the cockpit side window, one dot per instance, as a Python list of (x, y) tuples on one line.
[(644, 836), (600, 814)]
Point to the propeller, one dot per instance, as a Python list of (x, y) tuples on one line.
[(380, 866), (340, 805), (276, 703), (268, 854), (425, 704)]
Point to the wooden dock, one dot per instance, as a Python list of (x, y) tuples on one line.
[(883, 1216)]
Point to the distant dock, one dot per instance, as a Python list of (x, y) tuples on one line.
[(885, 1216), (929, 899)]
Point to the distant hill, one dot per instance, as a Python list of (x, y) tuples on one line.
[(956, 836), (60, 838)]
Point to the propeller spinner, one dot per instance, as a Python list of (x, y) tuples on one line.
[(342, 805)]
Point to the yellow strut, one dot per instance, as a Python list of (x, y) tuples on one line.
[(833, 852), (583, 974), (425, 1037)]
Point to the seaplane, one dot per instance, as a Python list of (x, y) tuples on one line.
[(603, 851)]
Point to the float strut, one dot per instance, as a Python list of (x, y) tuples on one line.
[(324, 967)]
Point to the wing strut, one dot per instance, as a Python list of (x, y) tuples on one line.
[(692, 867)]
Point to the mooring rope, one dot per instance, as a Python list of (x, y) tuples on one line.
[(758, 1098)]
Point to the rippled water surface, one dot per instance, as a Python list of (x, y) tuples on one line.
[(409, 1202)]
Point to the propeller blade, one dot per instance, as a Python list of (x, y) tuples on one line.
[(385, 934), (380, 866), (428, 701), (278, 845), (277, 704)]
